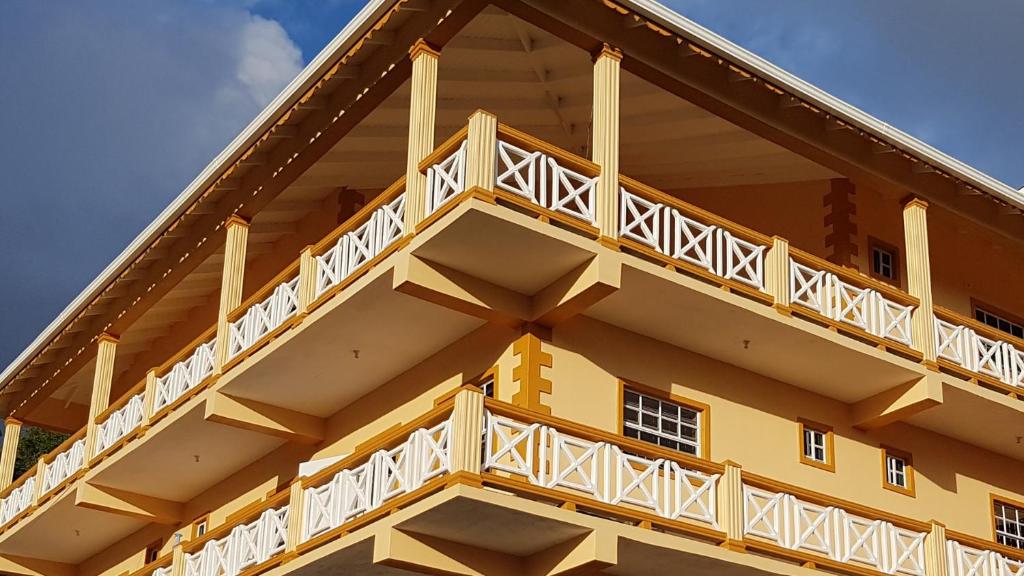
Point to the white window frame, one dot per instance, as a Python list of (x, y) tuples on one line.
[(1003, 536), (897, 471), (815, 440), (655, 407)]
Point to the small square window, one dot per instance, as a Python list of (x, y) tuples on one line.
[(816, 448), (200, 526), (884, 261), (153, 552), (897, 471)]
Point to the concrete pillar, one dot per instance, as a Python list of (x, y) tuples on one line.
[(230, 283), (296, 510), (12, 432), (307, 280), (777, 272), (149, 399), (103, 377), (919, 277), (467, 429), (935, 551), (481, 145), (605, 148), (422, 111), (730, 505)]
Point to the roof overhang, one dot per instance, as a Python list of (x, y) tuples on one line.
[(351, 34)]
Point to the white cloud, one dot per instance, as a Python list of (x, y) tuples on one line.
[(269, 58)]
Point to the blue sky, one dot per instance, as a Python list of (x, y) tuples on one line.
[(111, 107)]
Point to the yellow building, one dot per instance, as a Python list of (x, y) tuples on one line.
[(540, 287)]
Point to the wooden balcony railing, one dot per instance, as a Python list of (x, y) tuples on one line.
[(979, 352), (691, 239), (851, 302)]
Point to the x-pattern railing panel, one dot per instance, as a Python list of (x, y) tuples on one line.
[(665, 229), (601, 470), (246, 545), (387, 474), (64, 465), (264, 317), (964, 560), (540, 179), (18, 500), (446, 179), (357, 247), (834, 298), (964, 347), (121, 422), (185, 375), (833, 532)]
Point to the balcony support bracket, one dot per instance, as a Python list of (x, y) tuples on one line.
[(897, 403), (263, 418)]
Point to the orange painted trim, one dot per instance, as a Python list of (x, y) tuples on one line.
[(853, 277), (829, 465), (908, 471), (446, 149)]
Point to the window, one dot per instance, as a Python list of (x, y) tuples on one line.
[(999, 321), (487, 383), (1009, 524), (884, 261), (897, 471), (674, 423), (816, 447), (153, 552), (200, 526)]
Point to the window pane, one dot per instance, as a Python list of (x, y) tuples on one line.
[(661, 422)]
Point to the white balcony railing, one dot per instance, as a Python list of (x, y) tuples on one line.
[(668, 231), (865, 308), (972, 351), (966, 561), (64, 465), (833, 532), (245, 546), (601, 470), (185, 375), (264, 317), (121, 422), (446, 179), (540, 179), (385, 475), (18, 500), (162, 571), (357, 247)]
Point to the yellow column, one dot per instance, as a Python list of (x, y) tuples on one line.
[(605, 149), (919, 278), (296, 511), (422, 110), (307, 280), (103, 377), (37, 491), (730, 505), (149, 399), (467, 428), (12, 432), (230, 283), (935, 550), (481, 144), (776, 272)]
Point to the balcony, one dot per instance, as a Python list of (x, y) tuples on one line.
[(646, 506), (679, 274)]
